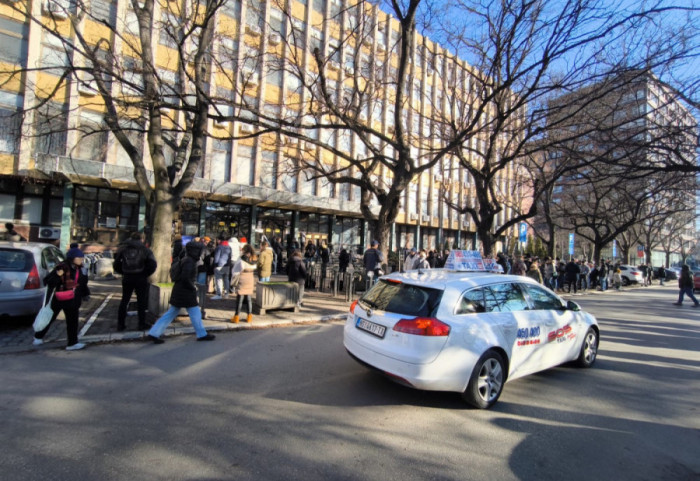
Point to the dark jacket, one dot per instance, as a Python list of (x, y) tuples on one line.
[(296, 270), (54, 281), (222, 254), (686, 279), (372, 259), (184, 291), (572, 270), (150, 263), (343, 260)]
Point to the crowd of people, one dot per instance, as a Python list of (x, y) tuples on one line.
[(224, 267)]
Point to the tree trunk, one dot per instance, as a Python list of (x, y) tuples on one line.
[(163, 213)]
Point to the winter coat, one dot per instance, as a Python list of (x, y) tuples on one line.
[(265, 263), (686, 280), (372, 259), (572, 270), (422, 263), (534, 273), (222, 254), (296, 270), (185, 291), (235, 249), (246, 284), (53, 282), (343, 260)]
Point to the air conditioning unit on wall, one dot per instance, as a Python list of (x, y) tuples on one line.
[(48, 232)]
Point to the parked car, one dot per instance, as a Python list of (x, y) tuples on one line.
[(23, 266), (671, 274), (630, 275), (466, 332)]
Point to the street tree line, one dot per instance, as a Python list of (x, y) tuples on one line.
[(356, 78)]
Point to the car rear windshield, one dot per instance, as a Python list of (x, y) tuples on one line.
[(403, 298), (14, 260)]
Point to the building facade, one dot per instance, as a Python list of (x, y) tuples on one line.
[(64, 178)]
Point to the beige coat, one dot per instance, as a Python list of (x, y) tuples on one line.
[(247, 282), (265, 263)]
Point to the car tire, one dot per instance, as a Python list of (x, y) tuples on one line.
[(589, 349), (487, 380), (625, 281)]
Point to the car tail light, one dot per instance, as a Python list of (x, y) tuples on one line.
[(353, 305), (33, 281), (423, 326)]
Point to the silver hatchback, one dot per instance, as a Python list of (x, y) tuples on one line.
[(23, 266)]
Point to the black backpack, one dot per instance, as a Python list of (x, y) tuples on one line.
[(176, 269), (133, 260)]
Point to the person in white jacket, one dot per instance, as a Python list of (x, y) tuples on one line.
[(235, 246)]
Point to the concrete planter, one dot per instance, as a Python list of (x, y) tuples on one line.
[(276, 295)]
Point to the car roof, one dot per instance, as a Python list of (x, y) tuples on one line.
[(442, 278), (31, 246)]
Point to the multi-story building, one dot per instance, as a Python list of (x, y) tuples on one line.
[(627, 122), (57, 183)]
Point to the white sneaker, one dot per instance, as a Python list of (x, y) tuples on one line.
[(37, 341), (216, 298), (76, 347)]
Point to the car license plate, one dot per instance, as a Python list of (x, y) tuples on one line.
[(371, 327)]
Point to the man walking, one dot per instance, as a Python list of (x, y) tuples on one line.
[(136, 263), (686, 285), (372, 260), (222, 269)]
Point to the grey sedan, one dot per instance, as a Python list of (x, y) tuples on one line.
[(23, 266)]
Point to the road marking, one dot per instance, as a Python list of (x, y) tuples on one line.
[(92, 319)]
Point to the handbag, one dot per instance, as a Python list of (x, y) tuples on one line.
[(44, 315), (69, 294)]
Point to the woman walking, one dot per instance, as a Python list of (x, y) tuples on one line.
[(184, 295), (69, 285), (246, 284)]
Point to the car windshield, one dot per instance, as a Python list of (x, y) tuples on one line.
[(403, 298), (13, 260)]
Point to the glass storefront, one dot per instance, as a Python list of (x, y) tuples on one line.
[(273, 223), (226, 220), (347, 234), (315, 226), (104, 215)]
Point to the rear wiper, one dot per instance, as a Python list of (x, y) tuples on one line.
[(369, 303)]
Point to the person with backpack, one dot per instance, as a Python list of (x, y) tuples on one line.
[(136, 263), (67, 286), (183, 273)]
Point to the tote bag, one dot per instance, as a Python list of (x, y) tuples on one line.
[(44, 316)]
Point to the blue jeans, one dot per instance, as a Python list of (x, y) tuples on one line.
[(689, 292), (264, 279), (195, 318), (603, 283)]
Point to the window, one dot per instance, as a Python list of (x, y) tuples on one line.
[(319, 6), (13, 41), (277, 21), (104, 11), (403, 299), (50, 128), (274, 75), (10, 121), (316, 39), (54, 58), (541, 299), (92, 142), (221, 160), (232, 8), (244, 164), (504, 298), (268, 169), (471, 302), (299, 33)]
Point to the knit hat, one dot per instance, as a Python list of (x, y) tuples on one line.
[(244, 240), (74, 252)]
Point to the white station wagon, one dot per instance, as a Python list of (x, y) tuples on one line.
[(468, 332)]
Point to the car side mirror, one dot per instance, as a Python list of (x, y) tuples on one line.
[(572, 306)]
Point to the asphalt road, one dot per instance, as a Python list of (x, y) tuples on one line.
[(288, 403)]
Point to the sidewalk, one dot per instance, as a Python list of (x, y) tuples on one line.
[(98, 318)]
